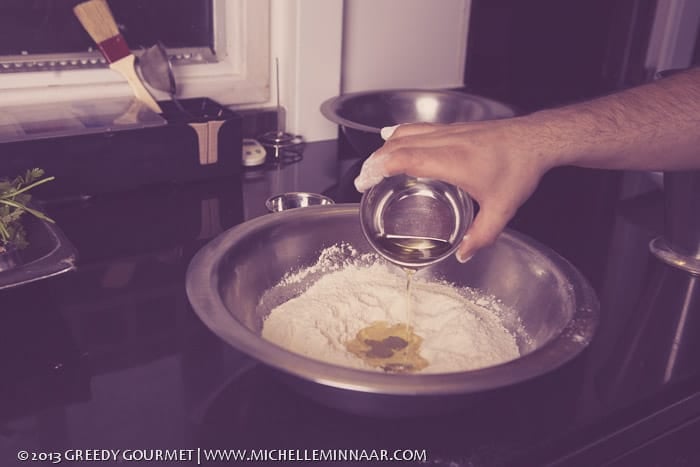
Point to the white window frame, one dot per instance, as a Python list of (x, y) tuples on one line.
[(240, 76)]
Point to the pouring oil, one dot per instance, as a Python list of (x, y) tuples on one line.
[(396, 349), (410, 272), (412, 249)]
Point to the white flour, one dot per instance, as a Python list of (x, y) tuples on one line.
[(458, 333)]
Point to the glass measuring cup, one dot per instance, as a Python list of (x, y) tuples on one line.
[(414, 222)]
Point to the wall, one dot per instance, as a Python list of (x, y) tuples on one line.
[(326, 47), (404, 44), (307, 38)]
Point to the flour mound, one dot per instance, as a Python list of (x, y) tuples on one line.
[(350, 292)]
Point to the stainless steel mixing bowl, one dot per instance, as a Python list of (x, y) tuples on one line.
[(227, 278), (361, 115)]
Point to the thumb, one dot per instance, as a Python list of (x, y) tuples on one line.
[(488, 224)]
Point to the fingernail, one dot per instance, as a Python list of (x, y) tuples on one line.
[(460, 257), (387, 131), (372, 172), (464, 260)]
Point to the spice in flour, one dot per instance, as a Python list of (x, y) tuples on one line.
[(393, 348)]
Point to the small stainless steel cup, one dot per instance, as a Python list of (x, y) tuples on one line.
[(297, 199), (415, 222)]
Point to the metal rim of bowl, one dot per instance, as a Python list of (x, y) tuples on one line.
[(323, 200), (202, 279), (329, 108)]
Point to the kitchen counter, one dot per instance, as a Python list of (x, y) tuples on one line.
[(111, 356)]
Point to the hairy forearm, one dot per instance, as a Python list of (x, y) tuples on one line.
[(651, 127)]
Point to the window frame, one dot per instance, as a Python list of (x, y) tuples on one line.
[(241, 74)]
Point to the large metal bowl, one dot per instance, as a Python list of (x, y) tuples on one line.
[(361, 115), (229, 275)]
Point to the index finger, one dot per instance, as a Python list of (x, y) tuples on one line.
[(408, 129)]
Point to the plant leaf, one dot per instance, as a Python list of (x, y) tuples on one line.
[(14, 198)]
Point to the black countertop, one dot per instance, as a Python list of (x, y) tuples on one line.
[(111, 356)]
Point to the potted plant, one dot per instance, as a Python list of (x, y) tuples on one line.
[(14, 203)]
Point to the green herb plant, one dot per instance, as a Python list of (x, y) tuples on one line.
[(14, 200)]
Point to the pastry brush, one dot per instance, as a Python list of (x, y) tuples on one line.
[(97, 19)]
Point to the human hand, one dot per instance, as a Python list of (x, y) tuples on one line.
[(498, 163)]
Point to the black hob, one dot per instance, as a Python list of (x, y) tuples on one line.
[(111, 356)]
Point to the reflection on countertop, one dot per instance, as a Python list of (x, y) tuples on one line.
[(315, 173)]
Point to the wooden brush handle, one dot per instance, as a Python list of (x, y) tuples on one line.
[(126, 67)]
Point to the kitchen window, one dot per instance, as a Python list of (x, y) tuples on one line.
[(220, 49)]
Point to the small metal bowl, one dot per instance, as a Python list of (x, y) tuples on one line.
[(415, 222), (296, 199)]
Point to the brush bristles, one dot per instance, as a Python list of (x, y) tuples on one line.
[(97, 19)]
